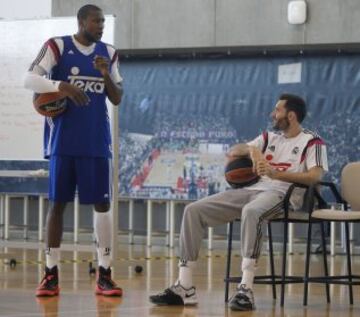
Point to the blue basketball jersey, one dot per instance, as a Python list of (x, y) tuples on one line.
[(80, 130)]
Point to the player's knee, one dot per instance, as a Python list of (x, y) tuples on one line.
[(189, 211), (57, 208), (192, 212), (248, 213), (102, 207)]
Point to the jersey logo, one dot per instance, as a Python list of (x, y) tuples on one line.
[(282, 167), (88, 83), (71, 52), (295, 150), (272, 148), (75, 70)]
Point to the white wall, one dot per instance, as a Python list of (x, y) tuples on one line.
[(175, 24), (25, 9)]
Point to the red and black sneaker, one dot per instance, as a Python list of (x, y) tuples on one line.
[(49, 285), (105, 285)]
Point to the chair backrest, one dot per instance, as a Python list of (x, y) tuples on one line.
[(350, 184)]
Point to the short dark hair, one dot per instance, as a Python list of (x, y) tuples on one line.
[(85, 10), (296, 104)]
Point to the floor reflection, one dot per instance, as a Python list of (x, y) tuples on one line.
[(105, 306), (49, 305)]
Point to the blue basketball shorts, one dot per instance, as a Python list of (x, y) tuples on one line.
[(89, 176)]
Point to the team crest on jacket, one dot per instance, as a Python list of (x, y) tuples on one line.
[(272, 148), (295, 150)]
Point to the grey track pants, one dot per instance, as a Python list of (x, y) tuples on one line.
[(253, 207)]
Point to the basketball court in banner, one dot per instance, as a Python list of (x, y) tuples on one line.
[(159, 271)]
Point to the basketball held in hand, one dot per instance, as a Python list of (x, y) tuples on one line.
[(50, 104), (239, 172)]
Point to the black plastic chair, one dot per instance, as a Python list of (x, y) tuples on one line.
[(288, 217)]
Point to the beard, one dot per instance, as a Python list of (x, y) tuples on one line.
[(281, 124), (89, 37)]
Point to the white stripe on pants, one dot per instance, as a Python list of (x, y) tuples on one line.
[(253, 207)]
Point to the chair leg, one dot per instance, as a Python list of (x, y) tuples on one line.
[(326, 271), (307, 265), (272, 266), (348, 255), (228, 261), (283, 270)]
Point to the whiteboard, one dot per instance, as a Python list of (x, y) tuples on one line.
[(21, 128)]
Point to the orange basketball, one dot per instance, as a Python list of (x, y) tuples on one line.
[(50, 104), (239, 172)]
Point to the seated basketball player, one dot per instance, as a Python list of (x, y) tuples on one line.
[(290, 154), (78, 142)]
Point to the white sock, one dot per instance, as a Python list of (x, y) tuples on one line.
[(185, 273), (103, 230), (104, 257), (52, 257), (248, 267)]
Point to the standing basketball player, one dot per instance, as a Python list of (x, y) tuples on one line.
[(289, 155), (78, 142)]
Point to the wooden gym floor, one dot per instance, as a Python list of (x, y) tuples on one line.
[(159, 270)]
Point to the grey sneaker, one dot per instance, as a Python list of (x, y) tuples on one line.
[(175, 295), (243, 299)]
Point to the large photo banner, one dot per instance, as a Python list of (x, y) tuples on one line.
[(179, 117)]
